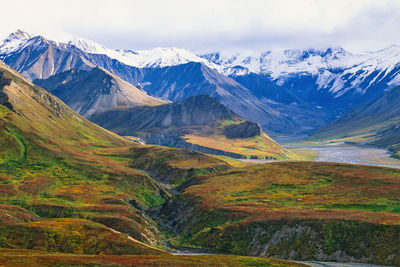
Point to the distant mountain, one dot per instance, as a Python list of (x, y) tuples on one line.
[(332, 79), (38, 57), (377, 122), (96, 90), (180, 82), (35, 57), (287, 92), (153, 58), (196, 123)]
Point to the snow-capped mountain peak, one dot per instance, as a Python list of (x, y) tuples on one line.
[(277, 63), (156, 57), (14, 41), (333, 69), (87, 46)]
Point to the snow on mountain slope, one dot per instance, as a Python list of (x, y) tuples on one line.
[(316, 76), (278, 63), (14, 41), (152, 58), (157, 57), (334, 68)]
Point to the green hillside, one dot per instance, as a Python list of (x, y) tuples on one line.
[(70, 192)]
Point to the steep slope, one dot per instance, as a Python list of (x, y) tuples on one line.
[(291, 91), (97, 90), (52, 164), (197, 123), (377, 122), (38, 58)]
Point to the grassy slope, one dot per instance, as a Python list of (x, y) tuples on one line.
[(58, 165), (244, 208), (65, 186), (260, 146), (65, 181), (52, 166)]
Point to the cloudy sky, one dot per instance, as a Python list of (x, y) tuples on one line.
[(210, 25)]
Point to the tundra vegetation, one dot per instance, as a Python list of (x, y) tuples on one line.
[(72, 193)]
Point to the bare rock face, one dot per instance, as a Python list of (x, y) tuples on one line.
[(97, 90), (245, 129)]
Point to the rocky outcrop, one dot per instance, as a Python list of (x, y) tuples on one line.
[(245, 129)]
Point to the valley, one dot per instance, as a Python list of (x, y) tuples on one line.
[(353, 154), (163, 157)]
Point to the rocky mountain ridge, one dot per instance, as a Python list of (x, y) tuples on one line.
[(95, 90)]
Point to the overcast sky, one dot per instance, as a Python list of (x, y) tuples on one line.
[(211, 25)]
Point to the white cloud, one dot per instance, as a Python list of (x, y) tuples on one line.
[(212, 24)]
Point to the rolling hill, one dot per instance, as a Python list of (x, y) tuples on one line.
[(52, 165), (197, 123), (74, 193), (56, 164)]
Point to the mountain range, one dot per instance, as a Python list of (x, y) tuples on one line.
[(289, 91)]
